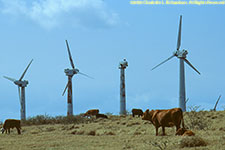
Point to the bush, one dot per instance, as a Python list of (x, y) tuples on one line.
[(196, 120), (192, 142), (162, 144), (46, 119), (108, 114), (128, 112)]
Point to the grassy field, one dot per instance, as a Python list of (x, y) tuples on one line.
[(119, 133)]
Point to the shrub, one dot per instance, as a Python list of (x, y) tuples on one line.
[(91, 133), (162, 144), (192, 142), (128, 112), (108, 114), (46, 119), (195, 119)]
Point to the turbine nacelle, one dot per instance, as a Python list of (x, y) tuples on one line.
[(21, 83), (123, 64), (71, 72), (181, 54)]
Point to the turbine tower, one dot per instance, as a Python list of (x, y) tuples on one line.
[(122, 66), (70, 73), (21, 84), (181, 54)]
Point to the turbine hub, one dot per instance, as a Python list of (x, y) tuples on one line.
[(181, 54), (123, 64), (21, 83), (71, 72)]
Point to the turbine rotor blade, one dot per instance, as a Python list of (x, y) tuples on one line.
[(86, 75), (191, 66), (219, 98), (19, 93), (216, 103), (179, 34), (186, 100), (70, 57), (65, 89), (163, 62), (11, 79), (25, 70)]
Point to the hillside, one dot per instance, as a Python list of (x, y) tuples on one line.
[(118, 133)]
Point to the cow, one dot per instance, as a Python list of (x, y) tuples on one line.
[(184, 132), (91, 112), (164, 118), (138, 112), (101, 116), (11, 123)]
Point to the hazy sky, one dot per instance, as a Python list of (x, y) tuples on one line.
[(100, 34)]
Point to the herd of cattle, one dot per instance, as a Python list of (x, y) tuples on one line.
[(159, 118)]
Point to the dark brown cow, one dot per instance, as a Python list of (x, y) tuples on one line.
[(91, 112), (101, 116), (11, 123), (164, 118), (138, 112), (184, 132)]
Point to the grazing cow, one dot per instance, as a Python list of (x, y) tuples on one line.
[(101, 116), (138, 112), (164, 118), (11, 123), (184, 132), (91, 112)]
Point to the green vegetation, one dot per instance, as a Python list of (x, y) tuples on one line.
[(46, 119), (197, 119), (193, 141), (44, 132)]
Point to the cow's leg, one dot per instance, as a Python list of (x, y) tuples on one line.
[(156, 129), (163, 130), (9, 130), (133, 115), (177, 127), (18, 130)]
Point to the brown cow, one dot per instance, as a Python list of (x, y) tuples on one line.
[(184, 132), (164, 118), (138, 112), (91, 112), (101, 116), (11, 123)]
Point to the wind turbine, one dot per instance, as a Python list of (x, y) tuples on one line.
[(122, 66), (181, 54), (70, 73), (21, 84)]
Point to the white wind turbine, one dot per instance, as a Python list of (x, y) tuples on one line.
[(21, 85), (70, 73), (181, 54)]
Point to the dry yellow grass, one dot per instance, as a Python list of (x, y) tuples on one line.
[(115, 133)]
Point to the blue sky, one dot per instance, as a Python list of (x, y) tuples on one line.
[(100, 34)]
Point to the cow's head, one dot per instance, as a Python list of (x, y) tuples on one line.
[(188, 133), (2, 130), (147, 115), (180, 131)]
